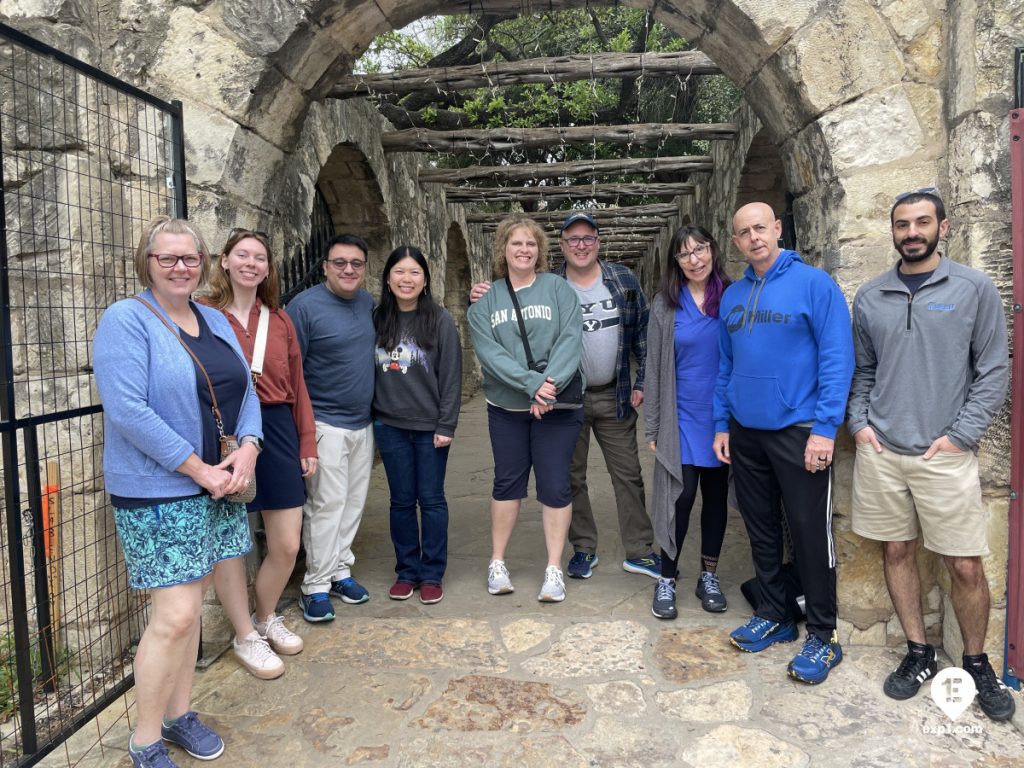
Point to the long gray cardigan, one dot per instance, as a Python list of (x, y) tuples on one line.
[(661, 423)]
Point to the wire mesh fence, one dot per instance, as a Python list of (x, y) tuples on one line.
[(87, 160)]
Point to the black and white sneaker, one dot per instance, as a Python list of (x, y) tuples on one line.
[(995, 699), (906, 680), (664, 605)]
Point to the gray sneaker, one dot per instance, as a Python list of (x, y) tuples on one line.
[(664, 605), (498, 580), (553, 589), (710, 593)]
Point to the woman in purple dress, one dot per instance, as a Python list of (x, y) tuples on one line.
[(682, 364)]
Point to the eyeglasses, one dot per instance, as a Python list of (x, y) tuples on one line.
[(576, 242), (930, 191), (699, 252), (242, 231), (342, 264), (169, 260)]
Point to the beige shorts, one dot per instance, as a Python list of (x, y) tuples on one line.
[(894, 494)]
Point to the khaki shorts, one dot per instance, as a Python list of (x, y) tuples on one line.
[(893, 494)]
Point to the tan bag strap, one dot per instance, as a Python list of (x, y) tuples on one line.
[(202, 368)]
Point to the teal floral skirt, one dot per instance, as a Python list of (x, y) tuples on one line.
[(179, 541)]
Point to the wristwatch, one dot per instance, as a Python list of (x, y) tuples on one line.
[(254, 440)]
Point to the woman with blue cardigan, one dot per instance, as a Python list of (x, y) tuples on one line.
[(162, 466)]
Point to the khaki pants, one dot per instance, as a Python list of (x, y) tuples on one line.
[(617, 438), (335, 495)]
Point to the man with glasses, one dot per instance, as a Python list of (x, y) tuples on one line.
[(931, 374), (334, 325), (615, 316), (784, 374)]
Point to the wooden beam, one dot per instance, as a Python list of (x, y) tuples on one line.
[(576, 168), (600, 214), (552, 69), (519, 139), (553, 192)]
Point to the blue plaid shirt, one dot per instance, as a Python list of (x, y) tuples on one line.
[(633, 313)]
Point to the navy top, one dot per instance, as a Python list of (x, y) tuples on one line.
[(696, 353)]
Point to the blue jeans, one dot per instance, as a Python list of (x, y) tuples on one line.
[(416, 470)]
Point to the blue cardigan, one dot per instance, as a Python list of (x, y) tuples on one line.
[(151, 416)]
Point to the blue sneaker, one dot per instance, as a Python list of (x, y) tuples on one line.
[(816, 659), (350, 591), (153, 756), (758, 633), (317, 607), (645, 565), (581, 565), (192, 735)]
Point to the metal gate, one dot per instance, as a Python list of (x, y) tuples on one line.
[(86, 161), (1015, 574)]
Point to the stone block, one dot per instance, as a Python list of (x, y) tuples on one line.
[(730, 745), (204, 66), (852, 136), (712, 703), (263, 26), (908, 19), (842, 53), (978, 168)]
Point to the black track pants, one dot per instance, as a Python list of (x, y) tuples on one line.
[(768, 464)]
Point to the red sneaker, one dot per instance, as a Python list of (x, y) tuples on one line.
[(400, 590), (431, 593)]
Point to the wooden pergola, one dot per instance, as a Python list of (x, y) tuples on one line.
[(499, 175)]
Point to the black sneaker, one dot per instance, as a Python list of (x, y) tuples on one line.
[(709, 590), (995, 698), (905, 682), (664, 605)]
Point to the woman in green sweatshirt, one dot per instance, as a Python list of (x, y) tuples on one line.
[(526, 428)]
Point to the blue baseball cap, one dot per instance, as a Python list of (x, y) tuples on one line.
[(572, 218)]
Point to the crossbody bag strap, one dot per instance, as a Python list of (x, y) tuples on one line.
[(259, 349), (202, 368), (522, 325)]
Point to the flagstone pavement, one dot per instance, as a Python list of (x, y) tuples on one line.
[(477, 680)]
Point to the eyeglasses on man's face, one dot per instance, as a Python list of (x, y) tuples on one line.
[(699, 251), (342, 264), (170, 260), (577, 240)]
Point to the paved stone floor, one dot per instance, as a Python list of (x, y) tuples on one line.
[(478, 680)]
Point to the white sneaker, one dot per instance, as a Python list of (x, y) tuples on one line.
[(553, 590), (256, 656), (498, 580), (280, 638)]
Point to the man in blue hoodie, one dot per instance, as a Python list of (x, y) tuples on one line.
[(783, 379)]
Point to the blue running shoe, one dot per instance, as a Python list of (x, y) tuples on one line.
[(350, 591), (816, 659), (645, 565), (195, 737), (317, 607), (758, 633), (581, 565), (153, 756)]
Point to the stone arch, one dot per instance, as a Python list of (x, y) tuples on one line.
[(458, 279), (349, 184)]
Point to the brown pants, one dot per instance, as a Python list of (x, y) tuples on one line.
[(617, 438)]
